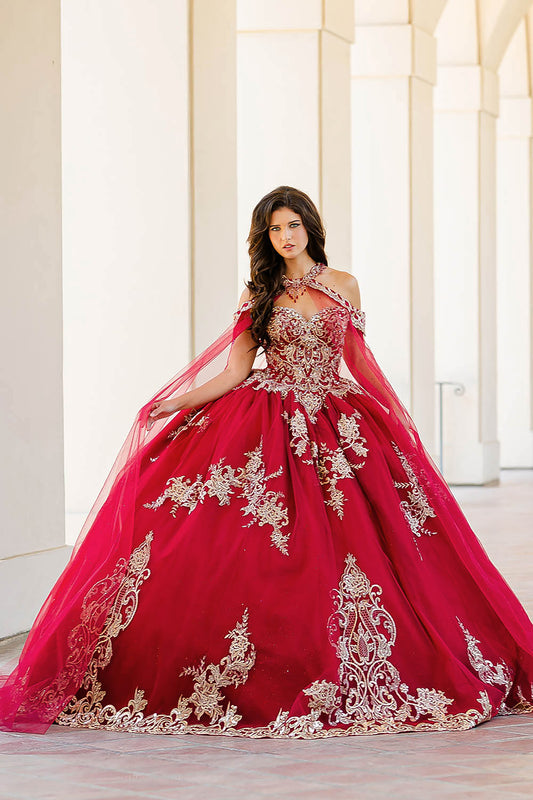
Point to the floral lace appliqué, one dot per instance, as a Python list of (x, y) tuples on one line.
[(416, 508), (263, 505), (368, 696), (84, 637), (304, 357), (206, 699), (492, 674), (194, 419), (332, 464)]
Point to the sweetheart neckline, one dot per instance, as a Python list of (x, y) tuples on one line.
[(306, 319)]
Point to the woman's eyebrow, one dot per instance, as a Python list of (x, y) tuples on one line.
[(277, 224)]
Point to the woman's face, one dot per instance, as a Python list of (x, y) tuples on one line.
[(287, 233)]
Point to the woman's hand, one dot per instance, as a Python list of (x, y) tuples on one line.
[(162, 408)]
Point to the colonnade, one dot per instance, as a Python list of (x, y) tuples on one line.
[(137, 139)]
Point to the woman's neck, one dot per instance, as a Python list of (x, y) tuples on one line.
[(297, 267)]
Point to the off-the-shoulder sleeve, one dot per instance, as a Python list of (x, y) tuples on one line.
[(358, 318), (242, 310)]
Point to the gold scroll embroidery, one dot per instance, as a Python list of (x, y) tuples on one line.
[(81, 641), (493, 674), (369, 696), (206, 698), (496, 675)]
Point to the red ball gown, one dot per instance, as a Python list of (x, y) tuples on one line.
[(285, 561)]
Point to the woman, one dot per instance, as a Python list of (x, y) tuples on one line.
[(281, 557)]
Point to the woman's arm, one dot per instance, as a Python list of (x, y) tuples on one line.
[(238, 368)]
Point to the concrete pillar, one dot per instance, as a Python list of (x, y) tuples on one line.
[(466, 103), (294, 111), (32, 544), (126, 224), (393, 73), (150, 189), (213, 168), (515, 259)]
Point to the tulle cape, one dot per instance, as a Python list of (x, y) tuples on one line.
[(58, 649)]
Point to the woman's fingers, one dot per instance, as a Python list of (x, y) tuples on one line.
[(158, 409)]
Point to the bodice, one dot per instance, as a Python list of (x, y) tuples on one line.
[(304, 355), (306, 352)]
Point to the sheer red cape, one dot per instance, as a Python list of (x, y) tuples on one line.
[(58, 649)]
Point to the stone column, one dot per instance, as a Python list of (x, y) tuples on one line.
[(32, 544), (515, 282), (294, 111), (126, 224), (213, 144), (466, 102), (150, 211), (393, 73)]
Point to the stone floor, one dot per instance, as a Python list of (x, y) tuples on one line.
[(493, 761)]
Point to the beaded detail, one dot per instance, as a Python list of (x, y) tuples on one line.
[(304, 357), (297, 286)]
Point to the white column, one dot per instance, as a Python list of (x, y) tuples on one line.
[(213, 168), (149, 214), (515, 283), (466, 103), (294, 111), (126, 223), (393, 73), (32, 550)]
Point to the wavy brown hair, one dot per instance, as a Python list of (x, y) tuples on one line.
[(266, 266)]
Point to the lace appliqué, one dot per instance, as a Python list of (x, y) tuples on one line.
[(119, 617), (194, 419), (495, 675), (232, 671), (304, 357), (300, 442), (82, 638), (262, 504), (370, 696), (312, 401), (332, 465), (206, 698), (416, 509)]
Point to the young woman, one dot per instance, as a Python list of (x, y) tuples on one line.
[(274, 553)]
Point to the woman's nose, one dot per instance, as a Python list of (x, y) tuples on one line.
[(287, 234)]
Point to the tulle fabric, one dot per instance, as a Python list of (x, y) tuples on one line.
[(364, 369), (58, 650), (53, 661)]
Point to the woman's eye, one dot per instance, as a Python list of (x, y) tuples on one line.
[(274, 229), (294, 224)]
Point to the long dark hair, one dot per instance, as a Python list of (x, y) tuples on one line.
[(266, 266)]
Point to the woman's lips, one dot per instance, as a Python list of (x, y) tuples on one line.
[(288, 246)]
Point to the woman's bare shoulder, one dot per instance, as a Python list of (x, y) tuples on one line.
[(345, 284), (245, 296)]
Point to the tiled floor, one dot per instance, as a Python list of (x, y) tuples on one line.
[(492, 762)]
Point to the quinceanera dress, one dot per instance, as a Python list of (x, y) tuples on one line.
[(284, 562)]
